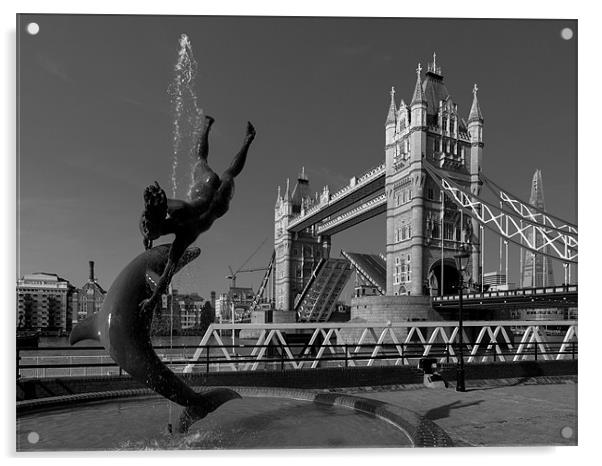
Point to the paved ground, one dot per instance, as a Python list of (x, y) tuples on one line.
[(526, 412)]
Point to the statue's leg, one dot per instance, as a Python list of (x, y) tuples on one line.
[(203, 145), (239, 160)]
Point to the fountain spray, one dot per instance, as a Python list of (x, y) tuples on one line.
[(187, 114)]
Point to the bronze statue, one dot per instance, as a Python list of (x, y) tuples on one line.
[(208, 199), (124, 331)]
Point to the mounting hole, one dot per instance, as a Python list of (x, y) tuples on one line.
[(33, 28), (566, 432), (33, 437), (566, 33)]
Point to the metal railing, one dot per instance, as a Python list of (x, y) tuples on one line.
[(519, 292), (272, 351)]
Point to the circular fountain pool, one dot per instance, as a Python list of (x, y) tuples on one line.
[(257, 422)]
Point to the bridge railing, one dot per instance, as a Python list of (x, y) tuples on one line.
[(367, 176), (278, 346), (359, 181), (547, 290), (276, 358), (374, 202)]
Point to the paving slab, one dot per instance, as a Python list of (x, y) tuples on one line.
[(521, 412)]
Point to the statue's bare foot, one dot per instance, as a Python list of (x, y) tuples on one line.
[(250, 131)]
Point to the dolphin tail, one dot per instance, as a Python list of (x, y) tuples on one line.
[(210, 401), (85, 330)]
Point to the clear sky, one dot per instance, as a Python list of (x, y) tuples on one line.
[(95, 123)]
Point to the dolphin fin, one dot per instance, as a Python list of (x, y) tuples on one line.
[(85, 330), (211, 400), (152, 279)]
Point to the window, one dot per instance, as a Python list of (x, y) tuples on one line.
[(429, 193), (397, 272), (448, 231)]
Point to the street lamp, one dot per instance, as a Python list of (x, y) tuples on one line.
[(462, 254)]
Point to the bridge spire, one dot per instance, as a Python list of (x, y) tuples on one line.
[(287, 193), (475, 110), (392, 115), (278, 197), (418, 96)]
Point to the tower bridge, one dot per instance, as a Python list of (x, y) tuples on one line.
[(429, 186), (313, 211)]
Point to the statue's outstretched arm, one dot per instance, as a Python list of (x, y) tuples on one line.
[(178, 247)]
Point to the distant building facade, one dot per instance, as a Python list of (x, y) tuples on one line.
[(497, 281), (190, 307), (45, 302), (242, 298), (91, 296), (179, 311)]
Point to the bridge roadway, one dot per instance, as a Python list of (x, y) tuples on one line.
[(369, 184), (364, 211), (524, 298)]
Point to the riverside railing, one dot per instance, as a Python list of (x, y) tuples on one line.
[(278, 359), (274, 349)]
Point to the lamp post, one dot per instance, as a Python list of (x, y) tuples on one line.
[(462, 254)]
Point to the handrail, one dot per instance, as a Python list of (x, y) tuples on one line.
[(351, 354), (360, 181), (510, 293), (444, 350)]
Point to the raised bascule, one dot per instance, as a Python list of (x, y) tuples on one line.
[(429, 187)]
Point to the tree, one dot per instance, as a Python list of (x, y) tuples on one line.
[(207, 317)]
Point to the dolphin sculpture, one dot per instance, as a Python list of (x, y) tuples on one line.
[(124, 330)]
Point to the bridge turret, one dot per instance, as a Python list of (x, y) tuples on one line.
[(418, 104), (475, 119), (278, 198), (391, 122), (475, 130)]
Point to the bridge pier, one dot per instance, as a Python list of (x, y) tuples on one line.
[(389, 309)]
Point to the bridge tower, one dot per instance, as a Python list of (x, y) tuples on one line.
[(296, 254), (424, 230)]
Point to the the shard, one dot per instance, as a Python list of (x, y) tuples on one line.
[(536, 269)]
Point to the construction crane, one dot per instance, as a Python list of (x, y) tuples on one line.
[(233, 275), (264, 282)]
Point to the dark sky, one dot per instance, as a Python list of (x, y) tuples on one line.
[(95, 123)]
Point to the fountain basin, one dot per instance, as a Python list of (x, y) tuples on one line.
[(264, 418)]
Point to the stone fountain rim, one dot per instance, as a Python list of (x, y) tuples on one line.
[(420, 431)]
